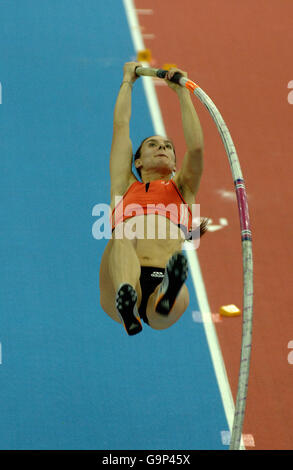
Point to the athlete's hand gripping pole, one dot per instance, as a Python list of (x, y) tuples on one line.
[(161, 73)]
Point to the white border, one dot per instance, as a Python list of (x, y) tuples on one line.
[(209, 327)]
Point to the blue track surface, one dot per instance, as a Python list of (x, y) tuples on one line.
[(70, 377)]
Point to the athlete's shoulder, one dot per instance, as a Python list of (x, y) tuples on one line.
[(183, 189), (122, 190)]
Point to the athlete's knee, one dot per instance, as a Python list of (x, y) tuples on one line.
[(158, 322), (104, 302)]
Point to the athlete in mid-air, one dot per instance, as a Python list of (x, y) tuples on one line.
[(143, 277)]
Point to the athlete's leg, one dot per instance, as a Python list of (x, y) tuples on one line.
[(160, 322), (124, 266), (119, 265), (125, 273)]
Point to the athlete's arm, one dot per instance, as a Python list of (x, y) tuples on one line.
[(192, 165), (121, 149)]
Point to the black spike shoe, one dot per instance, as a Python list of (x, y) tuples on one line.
[(175, 275), (126, 298)]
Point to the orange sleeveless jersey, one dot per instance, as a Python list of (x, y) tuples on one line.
[(157, 197)]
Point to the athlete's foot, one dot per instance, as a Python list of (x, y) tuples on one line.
[(126, 298), (175, 275)]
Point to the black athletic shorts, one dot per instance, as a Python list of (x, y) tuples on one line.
[(150, 278)]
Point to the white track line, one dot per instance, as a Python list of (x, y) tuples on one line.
[(210, 331)]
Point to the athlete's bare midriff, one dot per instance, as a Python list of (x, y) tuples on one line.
[(155, 238)]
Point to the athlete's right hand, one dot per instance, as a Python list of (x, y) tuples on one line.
[(129, 71)]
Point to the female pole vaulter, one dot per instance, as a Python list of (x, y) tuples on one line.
[(143, 277)]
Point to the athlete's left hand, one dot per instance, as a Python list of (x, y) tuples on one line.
[(168, 77)]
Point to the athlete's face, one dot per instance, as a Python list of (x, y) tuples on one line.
[(158, 153)]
